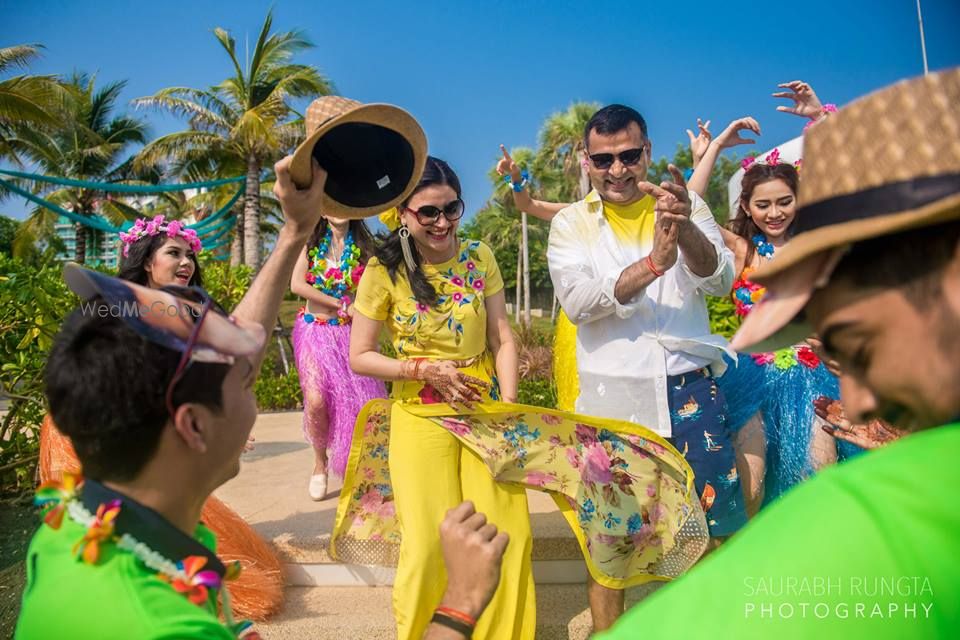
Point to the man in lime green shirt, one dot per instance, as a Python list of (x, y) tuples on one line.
[(154, 387), (869, 549)]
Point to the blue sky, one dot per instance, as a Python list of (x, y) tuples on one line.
[(479, 73)]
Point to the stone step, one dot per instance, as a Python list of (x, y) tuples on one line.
[(340, 613), (271, 494)]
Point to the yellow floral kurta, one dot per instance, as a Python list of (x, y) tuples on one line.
[(626, 493)]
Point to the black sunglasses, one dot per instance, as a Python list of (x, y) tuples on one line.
[(429, 214), (627, 158)]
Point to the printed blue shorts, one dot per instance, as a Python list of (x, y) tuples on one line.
[(698, 416)]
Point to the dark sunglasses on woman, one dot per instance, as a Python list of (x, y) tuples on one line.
[(628, 158), (429, 214)]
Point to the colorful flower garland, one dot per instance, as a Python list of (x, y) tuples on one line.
[(335, 281), (173, 228), (186, 577)]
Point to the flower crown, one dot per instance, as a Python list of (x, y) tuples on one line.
[(142, 229), (772, 159)]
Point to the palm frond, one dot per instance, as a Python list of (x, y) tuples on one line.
[(18, 55)]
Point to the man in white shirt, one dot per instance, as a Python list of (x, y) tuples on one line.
[(631, 264)]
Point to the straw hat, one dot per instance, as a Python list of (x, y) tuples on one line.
[(373, 155), (887, 163)]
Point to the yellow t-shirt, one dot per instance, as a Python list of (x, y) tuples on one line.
[(632, 224), (455, 327)]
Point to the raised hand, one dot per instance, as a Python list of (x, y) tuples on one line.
[(700, 142), (301, 207), (805, 101), (730, 137), (871, 435), (506, 166)]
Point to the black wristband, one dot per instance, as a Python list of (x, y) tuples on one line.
[(452, 623)]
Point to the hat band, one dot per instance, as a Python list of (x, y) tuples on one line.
[(886, 199)]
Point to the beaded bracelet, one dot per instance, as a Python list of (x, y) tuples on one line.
[(518, 186)]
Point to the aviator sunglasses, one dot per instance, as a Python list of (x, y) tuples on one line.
[(429, 214), (627, 158), (198, 296)]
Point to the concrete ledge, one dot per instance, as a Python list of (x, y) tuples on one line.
[(362, 575)]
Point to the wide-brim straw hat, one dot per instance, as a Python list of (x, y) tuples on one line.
[(884, 164), (373, 154)]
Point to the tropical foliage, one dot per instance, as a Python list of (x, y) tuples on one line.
[(89, 143), (241, 125)]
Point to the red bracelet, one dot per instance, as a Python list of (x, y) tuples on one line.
[(653, 269), (459, 615)]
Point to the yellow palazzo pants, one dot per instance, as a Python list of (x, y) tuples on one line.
[(431, 472)]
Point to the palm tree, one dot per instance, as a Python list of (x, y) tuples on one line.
[(25, 101), (88, 143), (561, 143), (246, 117)]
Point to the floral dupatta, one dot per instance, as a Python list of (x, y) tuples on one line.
[(626, 493)]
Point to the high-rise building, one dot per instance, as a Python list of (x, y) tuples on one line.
[(103, 249)]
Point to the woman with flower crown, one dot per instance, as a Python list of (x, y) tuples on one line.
[(770, 396), (327, 274), (451, 431), (159, 253)]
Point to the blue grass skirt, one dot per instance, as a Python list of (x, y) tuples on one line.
[(784, 397)]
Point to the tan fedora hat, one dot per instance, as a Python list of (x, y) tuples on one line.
[(887, 163), (373, 155)]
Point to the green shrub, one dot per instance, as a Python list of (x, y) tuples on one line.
[(224, 283), (723, 319), (278, 392), (539, 392), (33, 302)]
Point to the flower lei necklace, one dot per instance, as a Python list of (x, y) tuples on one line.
[(334, 280), (764, 246), (187, 576), (747, 293)]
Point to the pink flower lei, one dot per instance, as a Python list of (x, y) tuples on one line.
[(143, 228)]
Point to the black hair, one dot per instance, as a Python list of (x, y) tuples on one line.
[(742, 224), (913, 261), (106, 386), (361, 237), (611, 119), (390, 253), (141, 252)]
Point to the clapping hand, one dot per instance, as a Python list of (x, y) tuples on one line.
[(805, 101), (673, 217)]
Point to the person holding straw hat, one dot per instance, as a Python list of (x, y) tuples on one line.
[(874, 271)]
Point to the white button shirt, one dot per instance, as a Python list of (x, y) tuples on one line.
[(626, 351)]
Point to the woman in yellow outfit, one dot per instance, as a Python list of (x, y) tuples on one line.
[(450, 432), (435, 332)]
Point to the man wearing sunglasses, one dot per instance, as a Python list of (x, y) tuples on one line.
[(631, 264)]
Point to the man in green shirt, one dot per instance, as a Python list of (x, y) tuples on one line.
[(155, 389), (869, 549)]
